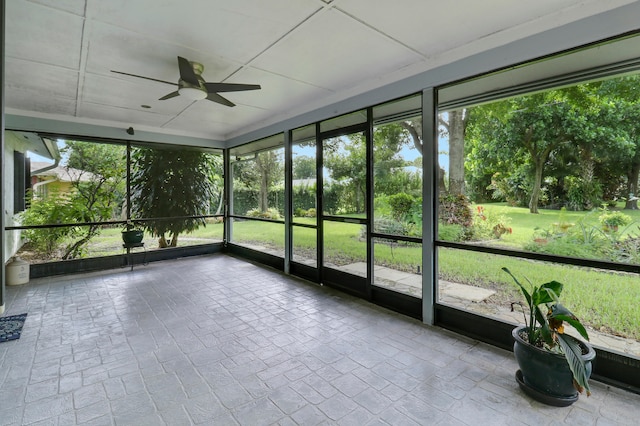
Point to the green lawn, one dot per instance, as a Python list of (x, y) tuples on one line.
[(604, 300)]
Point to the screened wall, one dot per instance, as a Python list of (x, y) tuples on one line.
[(78, 207), (532, 168)]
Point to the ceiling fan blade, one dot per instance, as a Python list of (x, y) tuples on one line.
[(146, 78), (219, 99), (230, 87), (186, 72), (169, 96)]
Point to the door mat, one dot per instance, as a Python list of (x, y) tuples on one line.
[(11, 327)]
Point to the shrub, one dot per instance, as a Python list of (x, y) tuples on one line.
[(300, 212), (614, 219), (486, 226), (401, 204), (311, 212), (448, 232), (455, 210), (270, 213)]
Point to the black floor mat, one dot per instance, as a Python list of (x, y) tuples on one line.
[(11, 327)]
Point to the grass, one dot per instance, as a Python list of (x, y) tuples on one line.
[(604, 300)]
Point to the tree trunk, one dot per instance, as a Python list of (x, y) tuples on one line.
[(537, 183), (264, 192), (456, 130), (632, 187)]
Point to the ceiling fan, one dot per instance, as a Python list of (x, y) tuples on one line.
[(192, 85)]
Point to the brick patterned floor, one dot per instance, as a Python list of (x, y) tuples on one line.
[(215, 340)]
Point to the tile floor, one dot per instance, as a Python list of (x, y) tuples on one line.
[(215, 340)]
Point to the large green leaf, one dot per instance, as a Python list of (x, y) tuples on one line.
[(547, 293), (573, 353), (558, 311)]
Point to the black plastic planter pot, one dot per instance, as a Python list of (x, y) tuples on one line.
[(132, 236), (546, 376)]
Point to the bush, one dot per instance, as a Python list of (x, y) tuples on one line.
[(56, 208), (311, 212), (614, 219), (271, 213), (401, 204), (300, 212), (486, 226), (455, 233), (455, 210)]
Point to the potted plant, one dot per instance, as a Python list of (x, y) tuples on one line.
[(554, 367), (132, 234), (612, 220)]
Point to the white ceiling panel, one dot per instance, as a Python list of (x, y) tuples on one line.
[(238, 29), (43, 81), (306, 54), (320, 53), (115, 49), (278, 93), (73, 6), (417, 24), (125, 93), (126, 116), (42, 34)]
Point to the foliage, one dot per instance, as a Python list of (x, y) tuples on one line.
[(581, 194), (270, 213), (456, 210), (573, 146), (451, 232), (260, 175), (168, 184), (490, 226), (512, 188), (54, 209), (96, 172), (304, 167), (401, 205), (546, 330), (613, 219)]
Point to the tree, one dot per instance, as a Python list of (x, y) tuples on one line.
[(97, 188), (168, 184), (620, 98), (345, 158), (97, 173), (259, 175), (270, 172), (304, 167), (454, 125)]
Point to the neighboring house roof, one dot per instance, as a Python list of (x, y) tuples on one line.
[(61, 173)]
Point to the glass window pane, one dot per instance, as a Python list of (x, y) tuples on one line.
[(172, 188), (258, 184), (304, 182), (606, 302), (305, 246), (267, 237), (344, 175), (397, 177), (398, 266), (552, 172), (345, 247)]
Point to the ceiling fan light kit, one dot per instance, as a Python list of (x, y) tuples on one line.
[(192, 86), (192, 93)]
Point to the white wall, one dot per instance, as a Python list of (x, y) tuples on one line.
[(11, 238)]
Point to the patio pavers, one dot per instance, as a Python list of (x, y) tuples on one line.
[(215, 340)]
